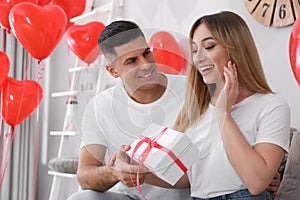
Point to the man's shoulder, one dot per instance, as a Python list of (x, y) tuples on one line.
[(108, 91), (176, 80), (105, 96)]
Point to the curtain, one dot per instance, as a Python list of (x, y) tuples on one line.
[(20, 177)]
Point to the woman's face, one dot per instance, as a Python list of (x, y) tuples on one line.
[(209, 57)]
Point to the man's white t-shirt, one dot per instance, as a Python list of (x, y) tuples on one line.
[(113, 119), (260, 117)]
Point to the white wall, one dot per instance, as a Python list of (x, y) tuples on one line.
[(272, 43)]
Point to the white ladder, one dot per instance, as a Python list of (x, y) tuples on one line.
[(109, 12)]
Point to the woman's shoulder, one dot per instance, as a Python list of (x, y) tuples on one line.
[(271, 97), (271, 100)]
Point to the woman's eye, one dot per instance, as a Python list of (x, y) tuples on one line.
[(210, 47)]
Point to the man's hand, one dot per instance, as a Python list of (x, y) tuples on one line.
[(127, 173), (274, 185)]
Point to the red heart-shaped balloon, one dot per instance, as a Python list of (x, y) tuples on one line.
[(5, 7), (72, 8), (19, 99), (4, 67), (38, 28), (167, 52), (83, 40), (294, 50)]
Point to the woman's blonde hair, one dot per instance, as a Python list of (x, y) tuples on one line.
[(230, 31)]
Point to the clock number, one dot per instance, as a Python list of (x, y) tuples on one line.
[(266, 6), (282, 11), (276, 13), (264, 11), (283, 14)]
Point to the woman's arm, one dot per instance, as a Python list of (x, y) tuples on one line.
[(256, 166)]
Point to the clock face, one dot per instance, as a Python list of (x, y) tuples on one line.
[(275, 13)]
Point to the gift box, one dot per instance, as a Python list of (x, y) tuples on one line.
[(166, 152)]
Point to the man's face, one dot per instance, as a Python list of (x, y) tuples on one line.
[(135, 65)]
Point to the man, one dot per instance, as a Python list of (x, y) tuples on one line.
[(118, 115)]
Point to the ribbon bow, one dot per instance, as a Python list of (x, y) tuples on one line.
[(152, 143)]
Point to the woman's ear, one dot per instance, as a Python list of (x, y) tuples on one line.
[(112, 71)]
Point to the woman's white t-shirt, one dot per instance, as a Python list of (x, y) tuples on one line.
[(260, 117)]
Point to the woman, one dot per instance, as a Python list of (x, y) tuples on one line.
[(230, 113)]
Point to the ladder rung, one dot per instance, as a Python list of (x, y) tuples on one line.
[(67, 93), (68, 133), (103, 8), (76, 69), (67, 175)]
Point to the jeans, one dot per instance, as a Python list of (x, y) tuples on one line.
[(242, 195), (95, 195)]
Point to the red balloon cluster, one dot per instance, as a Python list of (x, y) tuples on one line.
[(83, 40), (168, 54), (294, 50), (38, 28), (18, 98), (39, 25)]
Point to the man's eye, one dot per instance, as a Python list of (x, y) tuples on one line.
[(130, 61), (194, 51)]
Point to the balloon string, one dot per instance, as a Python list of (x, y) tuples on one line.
[(1, 107), (40, 70), (69, 84), (21, 100), (36, 147), (5, 158), (3, 40), (27, 67)]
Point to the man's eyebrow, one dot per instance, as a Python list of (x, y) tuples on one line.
[(147, 49), (129, 59)]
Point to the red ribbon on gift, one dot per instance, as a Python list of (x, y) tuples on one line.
[(152, 143)]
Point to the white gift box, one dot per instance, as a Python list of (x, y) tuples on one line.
[(159, 160)]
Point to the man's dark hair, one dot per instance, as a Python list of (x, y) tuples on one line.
[(118, 33)]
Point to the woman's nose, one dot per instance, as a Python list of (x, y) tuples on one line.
[(200, 55)]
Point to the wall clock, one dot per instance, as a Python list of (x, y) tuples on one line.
[(275, 13)]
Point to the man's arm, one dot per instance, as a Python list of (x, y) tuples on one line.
[(93, 174)]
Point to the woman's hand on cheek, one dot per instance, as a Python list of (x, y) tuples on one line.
[(230, 91)]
